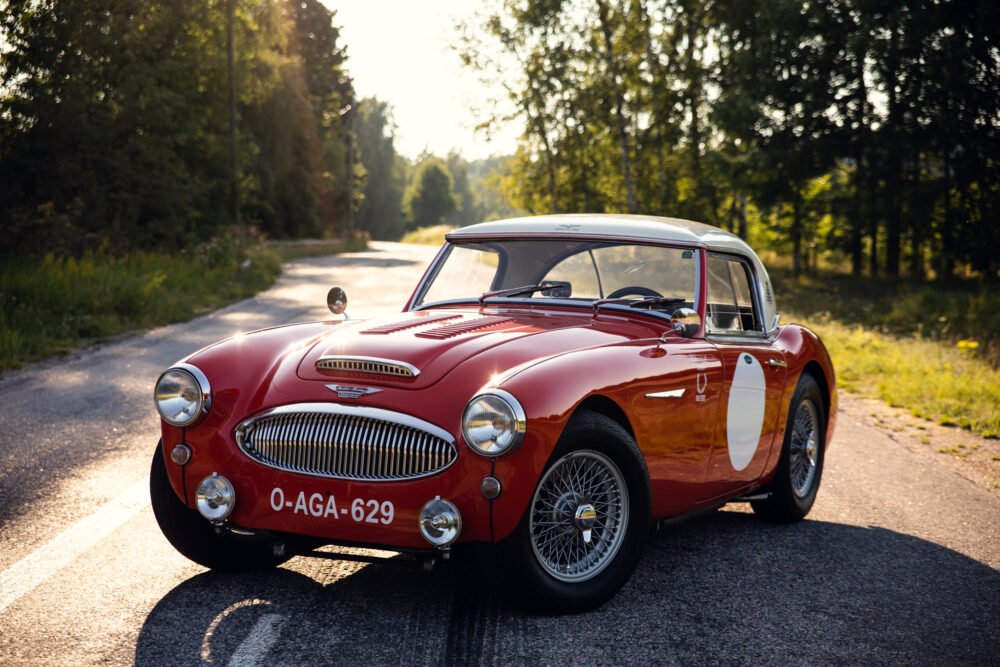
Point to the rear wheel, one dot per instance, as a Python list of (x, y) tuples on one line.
[(796, 481), (583, 532), (194, 537)]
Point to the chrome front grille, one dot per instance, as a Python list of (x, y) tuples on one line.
[(346, 442), (354, 364)]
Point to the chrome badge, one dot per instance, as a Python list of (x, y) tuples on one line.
[(344, 391)]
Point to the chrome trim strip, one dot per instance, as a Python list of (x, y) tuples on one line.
[(672, 393), (359, 364)]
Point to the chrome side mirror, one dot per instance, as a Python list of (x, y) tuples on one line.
[(336, 301), (685, 322)]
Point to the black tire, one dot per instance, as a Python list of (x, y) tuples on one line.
[(796, 481), (194, 537), (619, 494)]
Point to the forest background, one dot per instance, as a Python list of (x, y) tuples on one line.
[(145, 144)]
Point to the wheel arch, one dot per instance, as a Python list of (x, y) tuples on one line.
[(603, 405), (814, 369)]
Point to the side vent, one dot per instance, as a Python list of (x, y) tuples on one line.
[(467, 326), (418, 321)]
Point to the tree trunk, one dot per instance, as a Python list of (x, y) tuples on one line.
[(234, 174), (609, 58), (858, 223), (893, 162), (872, 222), (918, 218), (946, 260), (796, 232), (659, 116), (743, 217), (541, 130)]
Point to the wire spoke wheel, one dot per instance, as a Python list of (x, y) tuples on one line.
[(804, 448), (579, 516)]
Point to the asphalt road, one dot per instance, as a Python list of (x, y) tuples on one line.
[(899, 562)]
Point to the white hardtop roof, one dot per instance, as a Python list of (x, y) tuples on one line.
[(638, 227)]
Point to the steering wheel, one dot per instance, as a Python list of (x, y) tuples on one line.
[(632, 289)]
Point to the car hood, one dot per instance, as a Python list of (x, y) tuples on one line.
[(431, 344)]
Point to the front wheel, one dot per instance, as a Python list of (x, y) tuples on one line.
[(582, 534), (796, 481), (194, 537)]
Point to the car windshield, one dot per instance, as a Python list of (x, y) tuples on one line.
[(566, 270)]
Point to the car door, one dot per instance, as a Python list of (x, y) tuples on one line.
[(753, 376), (674, 412)]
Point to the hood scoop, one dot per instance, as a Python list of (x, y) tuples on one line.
[(369, 365), (465, 326), (419, 320)]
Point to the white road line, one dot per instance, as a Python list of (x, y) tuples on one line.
[(254, 648), (31, 571)]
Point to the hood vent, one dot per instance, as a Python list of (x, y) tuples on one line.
[(418, 321), (458, 328), (371, 365)]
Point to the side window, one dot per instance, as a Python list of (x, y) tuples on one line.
[(730, 307)]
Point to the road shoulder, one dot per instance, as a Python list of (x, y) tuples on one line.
[(975, 458)]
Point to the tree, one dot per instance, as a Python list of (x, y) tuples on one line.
[(381, 212), (114, 122), (431, 197)]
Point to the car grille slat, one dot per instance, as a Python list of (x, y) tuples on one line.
[(327, 443)]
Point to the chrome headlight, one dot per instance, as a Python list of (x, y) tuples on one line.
[(493, 423), (182, 395)]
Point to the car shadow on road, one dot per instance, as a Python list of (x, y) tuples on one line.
[(721, 589)]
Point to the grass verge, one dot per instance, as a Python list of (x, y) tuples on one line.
[(932, 379), (50, 306), (930, 348)]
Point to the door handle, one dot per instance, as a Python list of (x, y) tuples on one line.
[(777, 363)]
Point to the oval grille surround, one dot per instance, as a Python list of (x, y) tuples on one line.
[(367, 365), (346, 442)]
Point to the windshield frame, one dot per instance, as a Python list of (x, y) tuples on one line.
[(415, 304)]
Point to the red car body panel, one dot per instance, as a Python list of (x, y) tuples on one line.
[(553, 359)]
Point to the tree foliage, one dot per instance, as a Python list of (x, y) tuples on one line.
[(114, 122), (430, 198), (381, 212), (866, 128)]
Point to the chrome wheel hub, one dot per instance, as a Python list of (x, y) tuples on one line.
[(584, 519), (804, 448), (579, 515)]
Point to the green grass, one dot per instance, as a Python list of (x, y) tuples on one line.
[(427, 235), (932, 349), (52, 305), (932, 379), (959, 311)]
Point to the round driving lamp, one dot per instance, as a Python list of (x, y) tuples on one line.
[(215, 498), (182, 395), (493, 423), (440, 522)]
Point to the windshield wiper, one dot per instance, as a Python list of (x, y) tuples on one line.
[(651, 302), (514, 291), (648, 302)]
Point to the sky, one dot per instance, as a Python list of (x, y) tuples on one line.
[(398, 51)]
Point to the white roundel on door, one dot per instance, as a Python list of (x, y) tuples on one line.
[(745, 415)]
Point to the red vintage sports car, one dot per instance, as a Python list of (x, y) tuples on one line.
[(552, 386)]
